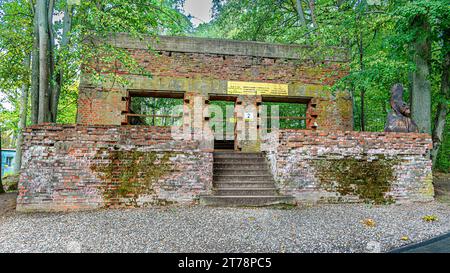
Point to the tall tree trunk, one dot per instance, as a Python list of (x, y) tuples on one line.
[(300, 12), (442, 108), (23, 117), (363, 119), (421, 86), (35, 68), (41, 10), (312, 6), (67, 24), (361, 68), (51, 59)]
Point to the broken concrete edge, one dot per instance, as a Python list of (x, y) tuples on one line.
[(223, 47), (320, 132)]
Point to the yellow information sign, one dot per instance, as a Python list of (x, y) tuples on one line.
[(257, 88)]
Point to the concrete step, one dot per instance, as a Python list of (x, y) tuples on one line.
[(250, 177), (245, 192), (241, 166), (234, 154), (244, 184), (228, 171), (234, 160), (251, 201)]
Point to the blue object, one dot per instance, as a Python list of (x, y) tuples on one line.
[(8, 156)]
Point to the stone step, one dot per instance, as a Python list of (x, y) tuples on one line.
[(241, 166), (228, 171), (250, 201), (244, 184), (234, 160), (234, 154), (250, 177), (245, 192), (223, 145)]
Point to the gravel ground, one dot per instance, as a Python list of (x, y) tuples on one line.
[(322, 228)]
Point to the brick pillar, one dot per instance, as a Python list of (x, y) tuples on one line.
[(247, 135), (311, 114), (98, 106), (195, 119)]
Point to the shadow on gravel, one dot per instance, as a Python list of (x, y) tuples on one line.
[(7, 203), (439, 244), (441, 183)]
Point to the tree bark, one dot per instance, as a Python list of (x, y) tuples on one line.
[(23, 117), (51, 59), (421, 86), (41, 10), (67, 24), (300, 12), (312, 5), (442, 108), (361, 69), (35, 68), (363, 120)]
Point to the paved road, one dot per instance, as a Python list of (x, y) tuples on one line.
[(440, 244)]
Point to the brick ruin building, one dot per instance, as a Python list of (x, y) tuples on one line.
[(119, 154)]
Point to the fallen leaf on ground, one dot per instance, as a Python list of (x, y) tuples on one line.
[(369, 222)]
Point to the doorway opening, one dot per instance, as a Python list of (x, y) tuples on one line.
[(223, 121)]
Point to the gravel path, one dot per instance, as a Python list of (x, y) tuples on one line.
[(323, 228)]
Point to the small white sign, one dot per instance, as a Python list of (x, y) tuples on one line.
[(248, 116)]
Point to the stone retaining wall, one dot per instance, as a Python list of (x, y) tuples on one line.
[(86, 167), (345, 166)]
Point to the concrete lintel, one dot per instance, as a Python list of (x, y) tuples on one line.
[(225, 47), (205, 86)]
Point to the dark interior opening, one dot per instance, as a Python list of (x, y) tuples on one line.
[(225, 137)]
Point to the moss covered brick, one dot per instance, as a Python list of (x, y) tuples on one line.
[(369, 180), (130, 174)]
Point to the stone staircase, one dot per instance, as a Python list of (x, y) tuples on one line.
[(243, 179)]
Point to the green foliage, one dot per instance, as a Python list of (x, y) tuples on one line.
[(443, 160), (378, 37), (90, 19), (162, 107)]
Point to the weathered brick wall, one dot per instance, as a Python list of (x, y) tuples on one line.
[(186, 64), (344, 166), (236, 68), (86, 167)]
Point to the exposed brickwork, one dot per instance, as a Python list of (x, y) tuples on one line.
[(236, 68), (296, 164), (180, 69), (85, 167), (99, 163)]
